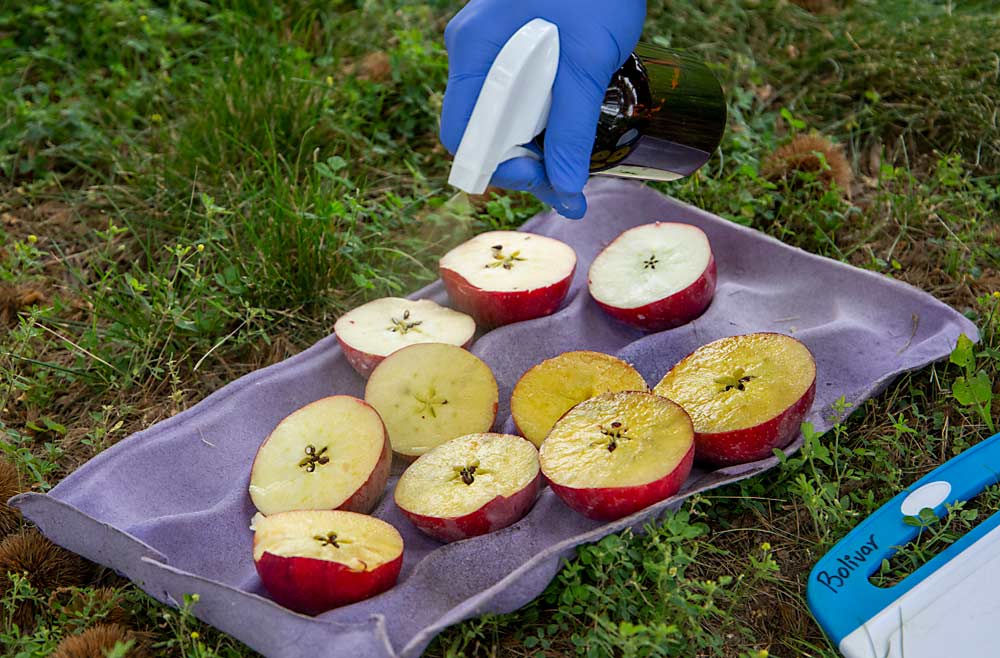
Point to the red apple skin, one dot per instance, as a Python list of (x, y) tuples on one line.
[(312, 586), (498, 513), (491, 309), (753, 443), (673, 311), (613, 503), (363, 362), (368, 494)]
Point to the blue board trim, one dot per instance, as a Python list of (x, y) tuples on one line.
[(839, 593)]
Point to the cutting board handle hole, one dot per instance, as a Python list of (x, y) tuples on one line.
[(934, 534)]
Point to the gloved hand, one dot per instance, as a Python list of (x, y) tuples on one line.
[(595, 38)]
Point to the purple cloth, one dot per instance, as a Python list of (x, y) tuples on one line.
[(168, 507)]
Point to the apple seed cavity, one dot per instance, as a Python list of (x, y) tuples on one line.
[(616, 433), (330, 540), (467, 473), (404, 325), (429, 403), (313, 458), (737, 380), (650, 263), (500, 260)]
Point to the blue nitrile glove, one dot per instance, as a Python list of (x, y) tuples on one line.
[(595, 38)]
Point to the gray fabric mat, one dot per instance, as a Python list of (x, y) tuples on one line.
[(168, 507)]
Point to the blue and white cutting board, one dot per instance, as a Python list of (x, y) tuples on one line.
[(947, 608)]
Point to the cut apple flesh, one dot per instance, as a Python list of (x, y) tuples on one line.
[(430, 393), (357, 541), (311, 561), (550, 389), (506, 261), (319, 456), (464, 474), (649, 263), (503, 277), (617, 440), (740, 382), (383, 326)]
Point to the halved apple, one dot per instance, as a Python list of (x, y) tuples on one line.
[(548, 390), (470, 486), (502, 277), (375, 330), (746, 395), (614, 454), (655, 276), (331, 454), (312, 561), (430, 393)]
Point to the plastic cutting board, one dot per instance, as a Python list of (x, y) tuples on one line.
[(947, 608)]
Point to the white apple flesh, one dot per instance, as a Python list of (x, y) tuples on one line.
[(375, 330), (470, 486), (500, 277), (655, 276), (548, 390), (331, 454), (430, 393), (617, 453), (312, 561), (747, 395)]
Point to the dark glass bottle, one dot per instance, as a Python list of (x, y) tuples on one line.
[(663, 115)]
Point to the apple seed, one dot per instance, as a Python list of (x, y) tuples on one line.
[(616, 434), (650, 263), (402, 326), (330, 540), (506, 262), (312, 458), (467, 473), (738, 381)]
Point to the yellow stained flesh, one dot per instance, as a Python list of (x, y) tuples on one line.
[(433, 486), (551, 388), (781, 370), (354, 438), (364, 542), (430, 393), (658, 436)]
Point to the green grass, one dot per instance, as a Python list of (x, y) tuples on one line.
[(199, 189)]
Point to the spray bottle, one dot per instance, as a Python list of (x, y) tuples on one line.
[(662, 117)]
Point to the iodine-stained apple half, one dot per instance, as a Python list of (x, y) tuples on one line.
[(550, 389), (617, 453), (430, 393), (502, 277), (312, 561), (655, 276), (331, 454), (375, 330), (747, 395), (470, 486)]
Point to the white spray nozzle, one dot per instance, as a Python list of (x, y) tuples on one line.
[(512, 108)]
